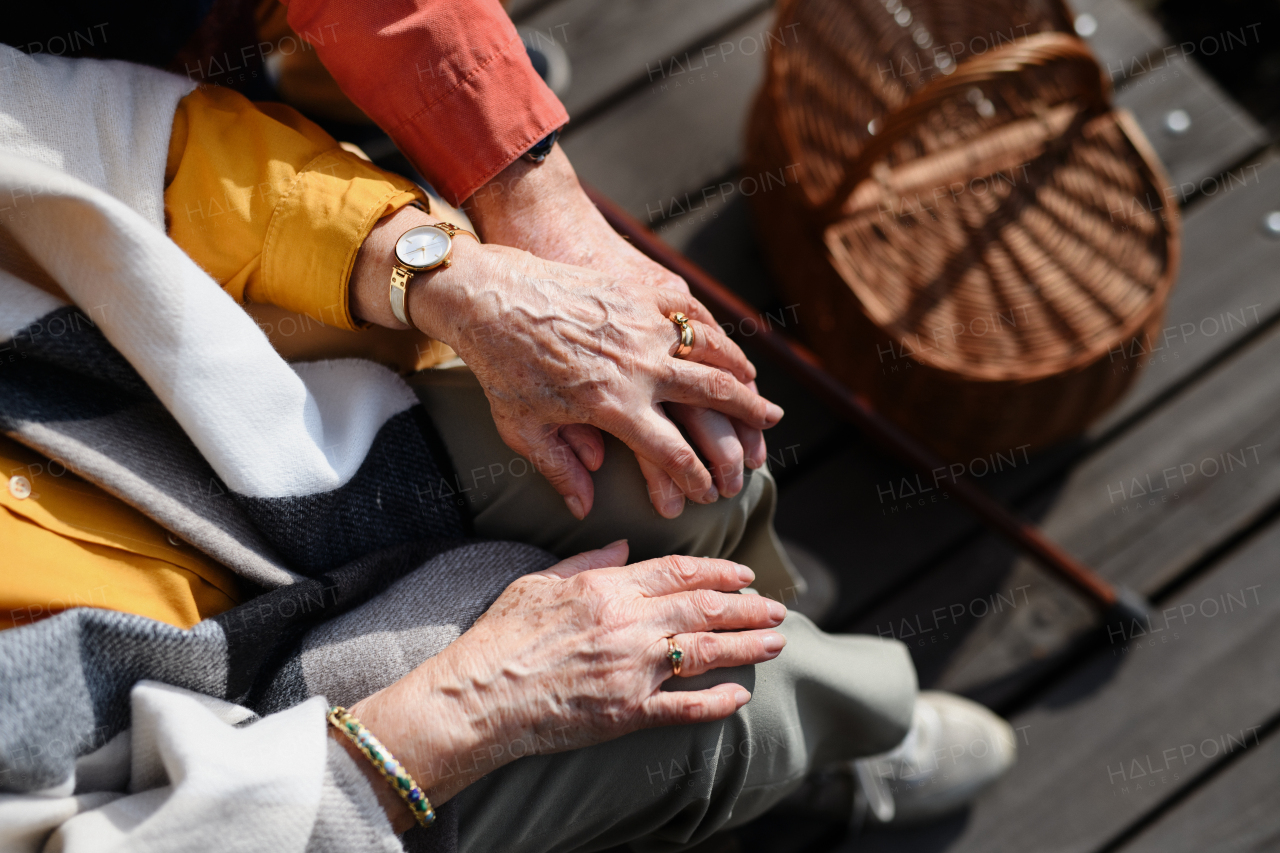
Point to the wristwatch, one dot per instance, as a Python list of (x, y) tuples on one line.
[(421, 248), (542, 147)]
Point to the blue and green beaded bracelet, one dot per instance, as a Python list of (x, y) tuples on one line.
[(393, 771)]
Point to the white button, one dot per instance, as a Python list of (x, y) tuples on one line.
[(19, 487), (1086, 25), (1271, 224)]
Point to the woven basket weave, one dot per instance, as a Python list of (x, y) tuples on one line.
[(977, 241)]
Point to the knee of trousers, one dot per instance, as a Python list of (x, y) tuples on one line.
[(858, 690), (826, 698), (526, 508), (701, 530)]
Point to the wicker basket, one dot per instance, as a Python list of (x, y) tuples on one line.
[(978, 243)]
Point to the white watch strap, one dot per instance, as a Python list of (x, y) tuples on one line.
[(399, 294)]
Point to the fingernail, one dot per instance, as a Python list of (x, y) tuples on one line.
[(673, 508), (774, 642), (745, 574), (575, 506), (774, 413), (742, 697), (776, 610), (615, 544), (712, 496)]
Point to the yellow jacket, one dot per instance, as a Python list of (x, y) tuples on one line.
[(270, 205), (275, 210)]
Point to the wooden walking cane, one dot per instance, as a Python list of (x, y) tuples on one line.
[(1113, 602)]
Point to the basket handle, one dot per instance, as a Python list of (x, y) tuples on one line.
[(1033, 51)]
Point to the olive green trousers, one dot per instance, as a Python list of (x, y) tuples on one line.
[(826, 698)]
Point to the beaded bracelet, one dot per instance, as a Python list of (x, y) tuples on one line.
[(393, 771)]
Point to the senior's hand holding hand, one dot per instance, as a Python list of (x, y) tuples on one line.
[(569, 657), (558, 348), (543, 209), (557, 345)]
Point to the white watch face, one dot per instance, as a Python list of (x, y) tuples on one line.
[(422, 247)]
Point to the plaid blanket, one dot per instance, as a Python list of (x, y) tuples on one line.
[(309, 481)]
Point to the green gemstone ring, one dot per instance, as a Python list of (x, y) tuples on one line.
[(675, 654)]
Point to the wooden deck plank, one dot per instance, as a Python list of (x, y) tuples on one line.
[(1098, 746), (1220, 133), (880, 526), (956, 620), (1238, 811), (1106, 515), (679, 135), (720, 236), (613, 44), (1124, 36), (835, 511)]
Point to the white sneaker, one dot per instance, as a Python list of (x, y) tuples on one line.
[(955, 749)]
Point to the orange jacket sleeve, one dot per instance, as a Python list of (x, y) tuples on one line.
[(448, 80)]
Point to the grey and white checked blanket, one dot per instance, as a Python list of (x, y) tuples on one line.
[(120, 732)]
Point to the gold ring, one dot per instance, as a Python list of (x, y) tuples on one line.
[(675, 654), (686, 334)]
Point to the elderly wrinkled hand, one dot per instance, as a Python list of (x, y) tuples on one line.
[(554, 345), (573, 656), (544, 210), (560, 350)]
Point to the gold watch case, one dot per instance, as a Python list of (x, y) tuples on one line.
[(421, 248)]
